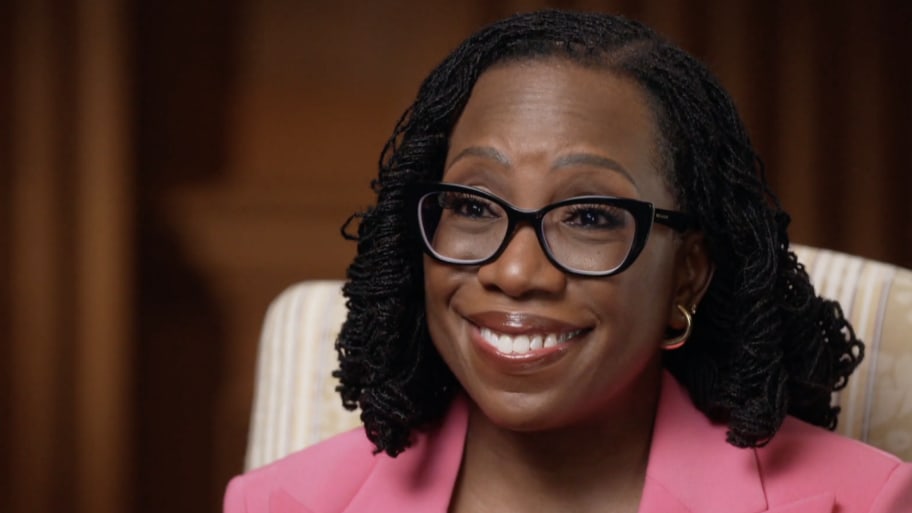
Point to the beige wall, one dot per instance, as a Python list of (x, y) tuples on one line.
[(166, 168)]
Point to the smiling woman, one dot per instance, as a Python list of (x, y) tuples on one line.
[(554, 121), (575, 293)]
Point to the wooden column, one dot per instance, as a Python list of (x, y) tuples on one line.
[(67, 214), (38, 322), (103, 258)]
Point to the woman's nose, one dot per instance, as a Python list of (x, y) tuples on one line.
[(523, 268)]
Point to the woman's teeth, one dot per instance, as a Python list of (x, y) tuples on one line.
[(521, 344)]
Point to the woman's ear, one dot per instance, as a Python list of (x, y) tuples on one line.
[(693, 275)]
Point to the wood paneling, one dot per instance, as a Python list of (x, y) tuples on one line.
[(67, 298), (103, 260), (39, 319), (6, 163)]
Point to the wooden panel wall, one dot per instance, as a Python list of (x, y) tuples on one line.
[(67, 262), (166, 168)]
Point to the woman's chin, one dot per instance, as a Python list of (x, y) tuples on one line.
[(522, 411)]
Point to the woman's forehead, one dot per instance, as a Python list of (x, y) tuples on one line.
[(547, 113)]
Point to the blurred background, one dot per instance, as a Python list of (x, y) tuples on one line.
[(167, 168)]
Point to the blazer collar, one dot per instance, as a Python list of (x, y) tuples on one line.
[(422, 477), (690, 470), (419, 479)]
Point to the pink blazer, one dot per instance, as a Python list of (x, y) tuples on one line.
[(691, 469)]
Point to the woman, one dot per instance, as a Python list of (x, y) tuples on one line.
[(575, 293)]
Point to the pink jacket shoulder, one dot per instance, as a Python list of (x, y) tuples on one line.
[(804, 460)]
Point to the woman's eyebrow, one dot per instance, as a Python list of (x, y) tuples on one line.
[(592, 160), (562, 161), (481, 151)]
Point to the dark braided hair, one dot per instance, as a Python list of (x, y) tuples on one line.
[(763, 346)]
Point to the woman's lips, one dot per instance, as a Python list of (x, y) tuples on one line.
[(517, 323)]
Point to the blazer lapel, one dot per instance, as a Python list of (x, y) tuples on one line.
[(818, 504), (281, 502), (689, 462), (661, 500), (692, 469), (422, 477), (419, 479)]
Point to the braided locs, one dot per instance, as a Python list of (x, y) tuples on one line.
[(764, 345)]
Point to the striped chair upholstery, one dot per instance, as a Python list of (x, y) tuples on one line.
[(877, 299), (295, 403)]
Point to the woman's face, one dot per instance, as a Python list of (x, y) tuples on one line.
[(533, 133)]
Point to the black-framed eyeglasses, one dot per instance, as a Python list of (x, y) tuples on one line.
[(584, 235)]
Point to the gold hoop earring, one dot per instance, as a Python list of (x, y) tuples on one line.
[(676, 342)]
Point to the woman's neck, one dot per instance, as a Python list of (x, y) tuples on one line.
[(599, 465)]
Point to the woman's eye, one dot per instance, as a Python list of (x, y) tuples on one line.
[(468, 206), (595, 216)]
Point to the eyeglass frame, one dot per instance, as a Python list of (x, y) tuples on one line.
[(644, 213)]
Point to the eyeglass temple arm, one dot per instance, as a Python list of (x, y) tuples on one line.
[(678, 221)]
